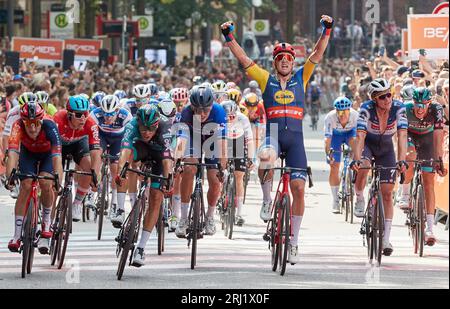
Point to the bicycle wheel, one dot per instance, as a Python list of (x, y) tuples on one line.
[(379, 228), (195, 229), (27, 240), (246, 179), (57, 227), (231, 209), (368, 227), (66, 229), (350, 194), (102, 206), (420, 219), (160, 229), (275, 236), (285, 228), (128, 235)]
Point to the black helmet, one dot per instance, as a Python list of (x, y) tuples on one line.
[(202, 96)]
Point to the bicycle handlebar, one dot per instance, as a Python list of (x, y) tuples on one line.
[(378, 168), (139, 172), (15, 174)]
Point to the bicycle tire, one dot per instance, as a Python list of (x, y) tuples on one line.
[(27, 240), (129, 234), (160, 229), (351, 194), (420, 219), (66, 229), (275, 237), (380, 227), (232, 209), (286, 233), (56, 241), (103, 201), (195, 229), (84, 213), (246, 180), (369, 228)]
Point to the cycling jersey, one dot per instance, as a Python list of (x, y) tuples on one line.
[(314, 93), (48, 139), (257, 114), (69, 135), (284, 107), (434, 119), (131, 106), (340, 135), (50, 109), (11, 118), (243, 109), (115, 129)]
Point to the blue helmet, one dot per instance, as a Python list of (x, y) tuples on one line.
[(77, 103), (120, 94), (342, 103), (152, 89), (153, 101), (97, 98), (202, 96)]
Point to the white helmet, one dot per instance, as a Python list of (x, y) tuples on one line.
[(167, 107), (42, 97), (378, 85), (253, 84), (141, 91), (219, 86), (110, 103)]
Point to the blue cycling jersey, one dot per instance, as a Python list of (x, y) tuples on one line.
[(115, 129)]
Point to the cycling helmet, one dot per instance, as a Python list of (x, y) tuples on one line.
[(120, 94), (84, 95), (141, 91), (148, 115), (42, 97), (219, 86), (97, 97), (197, 80), (283, 48), (152, 89), (253, 84), (231, 85), (202, 96), (378, 86), (251, 99), (153, 101), (234, 95), (421, 95), (110, 104), (230, 107), (163, 95), (32, 111), (26, 97), (342, 103), (167, 108), (407, 92), (179, 94), (77, 103)]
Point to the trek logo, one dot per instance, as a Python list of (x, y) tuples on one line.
[(282, 112), (284, 97), (32, 49), (439, 33)]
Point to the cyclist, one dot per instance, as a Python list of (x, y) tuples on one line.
[(42, 98), (153, 91), (425, 137), (340, 128), (167, 110), (180, 97), (35, 145), (111, 120), (220, 91), (147, 138), (313, 101), (96, 99), (80, 138), (241, 148), (379, 120), (203, 120), (284, 99), (253, 87), (256, 115), (236, 96), (120, 94), (197, 80), (141, 94), (407, 93)]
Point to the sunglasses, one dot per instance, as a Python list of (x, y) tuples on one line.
[(149, 129), (343, 112), (32, 122), (142, 101), (80, 115), (231, 117), (384, 96), (421, 105), (286, 56), (112, 114), (201, 110)]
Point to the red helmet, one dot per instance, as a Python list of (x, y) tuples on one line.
[(283, 48), (32, 111)]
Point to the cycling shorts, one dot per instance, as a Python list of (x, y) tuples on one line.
[(383, 157), (114, 145), (78, 150), (34, 162), (424, 147), (337, 140)]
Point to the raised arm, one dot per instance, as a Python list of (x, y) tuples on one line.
[(321, 45), (227, 31)]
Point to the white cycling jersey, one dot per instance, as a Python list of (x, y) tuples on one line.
[(332, 126), (11, 118), (239, 127)]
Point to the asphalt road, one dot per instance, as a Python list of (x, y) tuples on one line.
[(332, 252)]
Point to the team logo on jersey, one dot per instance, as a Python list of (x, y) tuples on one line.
[(284, 97), (281, 112)]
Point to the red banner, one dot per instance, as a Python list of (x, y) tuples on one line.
[(84, 48), (38, 49)]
